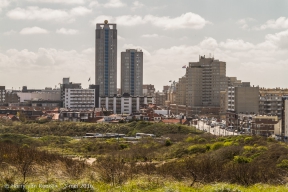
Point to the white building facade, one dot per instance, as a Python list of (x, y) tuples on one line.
[(125, 104), (79, 99)]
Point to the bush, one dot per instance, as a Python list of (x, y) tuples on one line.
[(228, 143), (241, 159), (247, 139), (283, 164), (248, 148), (168, 142), (262, 148), (202, 140), (197, 149), (217, 145)]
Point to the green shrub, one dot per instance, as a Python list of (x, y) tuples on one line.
[(189, 139), (242, 159), (247, 139), (168, 142), (228, 143), (123, 145), (202, 140), (197, 149), (217, 145), (262, 148), (248, 148), (283, 164)]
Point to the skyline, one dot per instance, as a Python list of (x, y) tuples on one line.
[(43, 41)]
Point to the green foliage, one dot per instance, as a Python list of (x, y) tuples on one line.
[(189, 139), (242, 159), (262, 148), (202, 140), (197, 149), (123, 145), (247, 139), (248, 148), (216, 145), (228, 143), (168, 142), (283, 164)]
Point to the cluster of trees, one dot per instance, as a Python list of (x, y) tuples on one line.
[(187, 155), (80, 129)]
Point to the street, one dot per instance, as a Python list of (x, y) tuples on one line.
[(214, 130)]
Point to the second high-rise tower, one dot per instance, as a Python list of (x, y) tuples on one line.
[(106, 58)]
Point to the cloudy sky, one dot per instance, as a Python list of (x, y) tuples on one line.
[(42, 41)]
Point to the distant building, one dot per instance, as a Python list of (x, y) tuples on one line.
[(67, 85), (160, 98), (106, 58), (2, 94), (284, 131), (148, 90), (80, 99), (181, 91), (124, 104), (271, 101), (204, 81), (76, 116), (12, 97), (132, 72), (243, 98), (266, 125)]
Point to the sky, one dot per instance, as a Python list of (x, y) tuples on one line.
[(42, 41)]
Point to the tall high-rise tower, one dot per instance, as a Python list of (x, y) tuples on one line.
[(204, 81), (106, 58), (132, 72)]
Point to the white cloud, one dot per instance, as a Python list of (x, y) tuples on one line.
[(238, 44), (125, 20), (114, 4), (150, 35), (46, 67), (244, 23), (209, 43), (137, 5), (33, 30), (280, 39), (94, 4), (46, 14), (280, 23), (11, 32), (59, 1), (187, 20), (80, 11), (67, 31), (3, 4)]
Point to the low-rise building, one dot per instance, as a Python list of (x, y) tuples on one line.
[(266, 125), (124, 104)]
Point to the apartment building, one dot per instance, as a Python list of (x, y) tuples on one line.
[(181, 91), (160, 98), (125, 104), (148, 90), (204, 81), (284, 131), (132, 72), (106, 58), (242, 98), (2, 94), (266, 125), (271, 101), (79, 99)]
